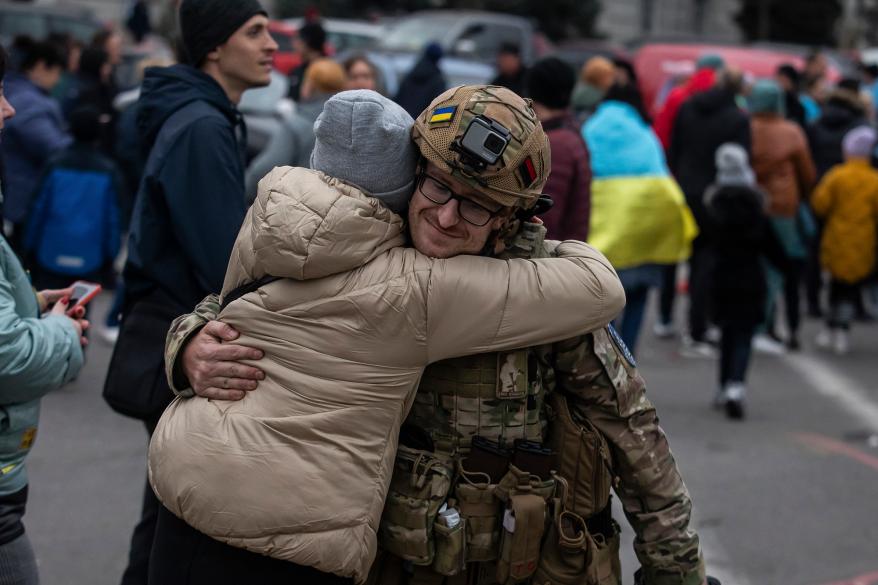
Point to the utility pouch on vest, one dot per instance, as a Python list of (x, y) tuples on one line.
[(420, 484), (450, 548), (606, 558), (481, 510), (568, 556), (523, 524), (583, 459)]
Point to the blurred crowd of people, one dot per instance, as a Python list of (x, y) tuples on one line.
[(767, 190)]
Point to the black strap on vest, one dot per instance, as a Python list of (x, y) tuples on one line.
[(245, 288)]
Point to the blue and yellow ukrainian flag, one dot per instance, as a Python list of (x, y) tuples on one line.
[(638, 211), (443, 114)]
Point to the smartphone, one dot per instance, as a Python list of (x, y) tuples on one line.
[(83, 293)]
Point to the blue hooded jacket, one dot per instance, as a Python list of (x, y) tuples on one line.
[(30, 138), (190, 203)]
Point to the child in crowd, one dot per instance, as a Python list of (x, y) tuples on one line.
[(73, 228), (740, 236), (847, 201)]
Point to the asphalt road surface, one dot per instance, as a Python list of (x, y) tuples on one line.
[(787, 497)]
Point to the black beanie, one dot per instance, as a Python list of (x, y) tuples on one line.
[(550, 82), (207, 24)]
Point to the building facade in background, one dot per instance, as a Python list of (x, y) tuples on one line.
[(712, 20)]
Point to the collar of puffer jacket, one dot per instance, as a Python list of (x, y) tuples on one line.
[(305, 225)]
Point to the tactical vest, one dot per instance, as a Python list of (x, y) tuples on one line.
[(522, 529)]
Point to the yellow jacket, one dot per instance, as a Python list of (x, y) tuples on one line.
[(847, 200), (300, 469)]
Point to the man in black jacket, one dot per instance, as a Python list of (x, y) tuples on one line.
[(190, 203), (706, 121)]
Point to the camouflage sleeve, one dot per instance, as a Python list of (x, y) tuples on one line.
[(181, 331), (602, 384), (528, 241)]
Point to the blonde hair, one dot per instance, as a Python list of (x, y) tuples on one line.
[(325, 76), (598, 72)]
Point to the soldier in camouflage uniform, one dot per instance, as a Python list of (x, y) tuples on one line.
[(582, 397)]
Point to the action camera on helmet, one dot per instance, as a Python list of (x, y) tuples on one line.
[(483, 142)]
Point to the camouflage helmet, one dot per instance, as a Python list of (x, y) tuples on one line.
[(443, 134)]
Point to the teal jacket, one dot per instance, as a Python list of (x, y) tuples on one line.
[(37, 355)]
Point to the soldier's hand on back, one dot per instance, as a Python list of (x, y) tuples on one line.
[(213, 364)]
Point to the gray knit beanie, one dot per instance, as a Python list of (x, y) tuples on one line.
[(364, 139), (733, 167)]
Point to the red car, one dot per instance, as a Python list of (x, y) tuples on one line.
[(662, 66), (286, 58)]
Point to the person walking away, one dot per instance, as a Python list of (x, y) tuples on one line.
[(73, 229), (597, 75), (706, 121), (846, 199), (639, 219), (739, 237), (785, 171), (323, 79), (703, 79), (37, 131), (40, 351), (189, 207), (94, 88), (310, 44), (844, 110), (423, 83), (789, 79), (511, 72), (549, 84)]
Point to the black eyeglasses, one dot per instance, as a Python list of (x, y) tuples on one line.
[(439, 193)]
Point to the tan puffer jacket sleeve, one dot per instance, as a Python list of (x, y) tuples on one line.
[(520, 302)]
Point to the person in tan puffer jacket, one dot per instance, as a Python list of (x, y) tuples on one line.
[(299, 471)]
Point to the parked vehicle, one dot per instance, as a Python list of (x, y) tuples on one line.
[(662, 66), (342, 35), (345, 34), (465, 34), (38, 21), (577, 52), (285, 58)]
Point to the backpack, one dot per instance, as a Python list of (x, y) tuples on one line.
[(73, 228)]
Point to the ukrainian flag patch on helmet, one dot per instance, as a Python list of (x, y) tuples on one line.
[(443, 114)]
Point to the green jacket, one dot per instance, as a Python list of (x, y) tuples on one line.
[(37, 355)]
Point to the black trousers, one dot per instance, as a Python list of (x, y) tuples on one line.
[(735, 351), (843, 298), (667, 293), (183, 556), (137, 571), (699, 288)]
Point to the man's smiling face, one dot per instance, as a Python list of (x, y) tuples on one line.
[(439, 230)]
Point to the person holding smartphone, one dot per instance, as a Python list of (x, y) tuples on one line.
[(40, 350)]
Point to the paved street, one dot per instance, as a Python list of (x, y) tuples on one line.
[(788, 497)]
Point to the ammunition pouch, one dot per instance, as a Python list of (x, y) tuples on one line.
[(583, 459), (572, 556), (420, 485)]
